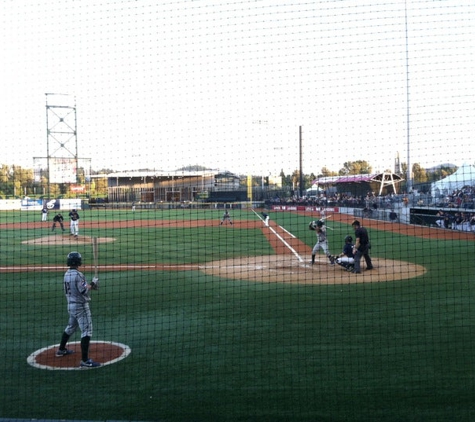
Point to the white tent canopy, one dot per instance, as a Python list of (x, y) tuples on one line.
[(313, 191), (464, 176)]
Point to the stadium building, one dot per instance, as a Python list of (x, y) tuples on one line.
[(171, 186)]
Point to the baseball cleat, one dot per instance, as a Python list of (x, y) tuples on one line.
[(89, 364), (64, 352)]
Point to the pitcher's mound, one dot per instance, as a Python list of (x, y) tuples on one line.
[(66, 239)]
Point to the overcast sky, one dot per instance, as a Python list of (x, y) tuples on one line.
[(226, 84)]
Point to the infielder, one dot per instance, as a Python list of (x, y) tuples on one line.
[(74, 225), (44, 214), (77, 291), (322, 242), (226, 218)]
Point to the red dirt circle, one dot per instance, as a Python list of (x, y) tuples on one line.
[(105, 352)]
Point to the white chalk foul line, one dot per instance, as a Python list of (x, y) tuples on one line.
[(282, 239), (286, 244), (290, 234)]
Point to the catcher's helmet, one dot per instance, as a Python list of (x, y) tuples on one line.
[(74, 259), (319, 223), (348, 239)]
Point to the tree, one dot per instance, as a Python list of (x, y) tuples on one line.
[(103, 171), (308, 179), (355, 167), (194, 167), (403, 168), (419, 173), (441, 173), (286, 180), (295, 179), (328, 173), (4, 174)]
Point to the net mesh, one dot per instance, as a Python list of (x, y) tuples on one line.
[(199, 141)]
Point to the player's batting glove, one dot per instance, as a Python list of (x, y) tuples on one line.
[(95, 283)]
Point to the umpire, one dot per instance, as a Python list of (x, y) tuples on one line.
[(361, 248), (58, 219)]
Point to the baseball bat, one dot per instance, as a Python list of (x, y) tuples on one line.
[(95, 254)]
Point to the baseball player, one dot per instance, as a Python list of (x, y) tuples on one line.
[(226, 218), (44, 214), (266, 218), (346, 259), (323, 213), (74, 225), (442, 221), (322, 242), (77, 291)]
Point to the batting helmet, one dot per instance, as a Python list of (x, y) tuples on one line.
[(348, 239), (314, 224), (74, 259)]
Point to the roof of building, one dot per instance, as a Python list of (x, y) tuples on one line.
[(358, 178)]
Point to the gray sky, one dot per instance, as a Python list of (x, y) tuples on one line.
[(227, 84)]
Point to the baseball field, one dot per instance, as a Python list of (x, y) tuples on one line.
[(198, 321)]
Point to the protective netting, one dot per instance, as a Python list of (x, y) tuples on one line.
[(218, 155)]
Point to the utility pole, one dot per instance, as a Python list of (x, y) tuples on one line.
[(408, 110), (300, 161)]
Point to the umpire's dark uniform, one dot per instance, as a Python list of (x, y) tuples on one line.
[(58, 218)]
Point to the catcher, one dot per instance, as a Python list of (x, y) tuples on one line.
[(322, 242), (77, 291), (346, 259)]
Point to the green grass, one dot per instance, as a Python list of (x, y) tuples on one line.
[(207, 348)]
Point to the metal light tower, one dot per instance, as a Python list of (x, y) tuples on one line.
[(61, 129)]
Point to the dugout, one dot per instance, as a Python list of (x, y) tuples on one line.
[(428, 216), (227, 196)]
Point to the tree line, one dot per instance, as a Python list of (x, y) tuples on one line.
[(17, 181)]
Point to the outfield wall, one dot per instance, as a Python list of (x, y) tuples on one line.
[(27, 204)]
